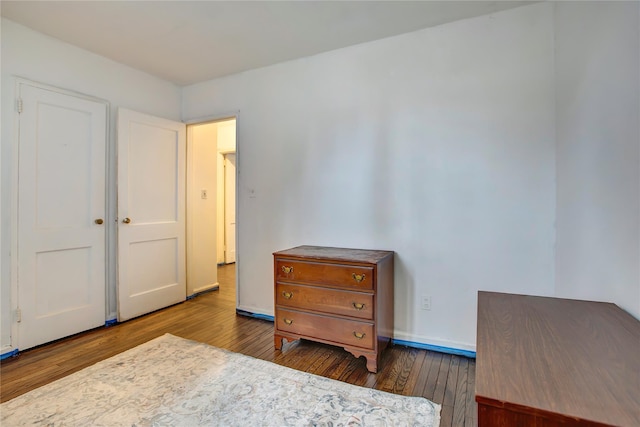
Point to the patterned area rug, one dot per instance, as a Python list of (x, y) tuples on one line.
[(170, 381)]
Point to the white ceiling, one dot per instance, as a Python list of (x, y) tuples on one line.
[(187, 42)]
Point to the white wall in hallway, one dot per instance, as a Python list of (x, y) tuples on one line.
[(202, 153)]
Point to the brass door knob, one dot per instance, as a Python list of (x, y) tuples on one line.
[(126, 220), (99, 221)]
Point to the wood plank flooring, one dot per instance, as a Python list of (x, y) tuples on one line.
[(445, 379)]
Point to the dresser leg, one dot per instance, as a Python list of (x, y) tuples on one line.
[(372, 364), (277, 340)]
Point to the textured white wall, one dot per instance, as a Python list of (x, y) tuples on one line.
[(202, 269), (28, 54), (437, 144), (598, 139)]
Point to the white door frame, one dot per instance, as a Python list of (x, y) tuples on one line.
[(221, 118), (15, 148)]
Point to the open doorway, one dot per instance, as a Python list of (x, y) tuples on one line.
[(211, 204)]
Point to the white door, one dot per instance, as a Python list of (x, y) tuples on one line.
[(151, 213), (230, 208), (61, 211)]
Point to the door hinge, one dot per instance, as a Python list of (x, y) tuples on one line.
[(18, 315), (19, 105)]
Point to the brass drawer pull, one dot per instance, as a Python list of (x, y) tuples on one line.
[(358, 277), (286, 269), (288, 321), (287, 295), (358, 305), (359, 335)]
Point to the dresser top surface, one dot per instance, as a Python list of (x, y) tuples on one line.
[(337, 254), (570, 357)]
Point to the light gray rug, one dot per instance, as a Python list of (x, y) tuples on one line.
[(170, 381)]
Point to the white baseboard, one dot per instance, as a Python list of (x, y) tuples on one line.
[(206, 288)]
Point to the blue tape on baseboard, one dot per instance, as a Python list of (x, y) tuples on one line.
[(439, 349), (9, 354), (255, 315), (111, 322)]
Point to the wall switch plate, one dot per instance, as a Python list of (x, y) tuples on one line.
[(203, 193), (426, 302)]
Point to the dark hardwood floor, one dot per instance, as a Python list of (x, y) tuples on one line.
[(211, 318)]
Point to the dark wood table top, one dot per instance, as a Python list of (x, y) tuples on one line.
[(580, 359), (341, 254)]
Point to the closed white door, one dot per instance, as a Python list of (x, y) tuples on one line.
[(151, 213), (61, 211), (230, 208)]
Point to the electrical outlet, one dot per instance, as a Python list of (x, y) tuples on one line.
[(426, 302)]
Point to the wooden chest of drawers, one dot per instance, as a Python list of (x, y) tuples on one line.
[(342, 297)]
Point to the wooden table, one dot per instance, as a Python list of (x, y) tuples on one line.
[(550, 362)]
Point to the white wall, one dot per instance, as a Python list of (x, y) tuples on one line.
[(437, 144), (34, 56), (202, 272), (598, 105), (227, 135)]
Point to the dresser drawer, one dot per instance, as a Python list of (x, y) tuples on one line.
[(325, 300), (344, 276), (347, 332)]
